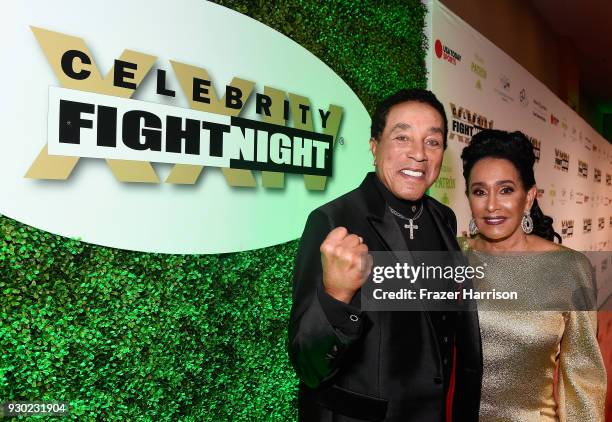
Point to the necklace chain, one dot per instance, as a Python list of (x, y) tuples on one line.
[(411, 226), (403, 217)]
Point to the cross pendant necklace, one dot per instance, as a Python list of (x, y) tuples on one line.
[(410, 226)]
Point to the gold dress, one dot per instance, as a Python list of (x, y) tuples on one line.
[(522, 349)]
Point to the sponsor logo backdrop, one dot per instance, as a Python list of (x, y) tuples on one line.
[(488, 89)]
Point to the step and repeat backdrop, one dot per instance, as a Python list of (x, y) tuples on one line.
[(482, 87)]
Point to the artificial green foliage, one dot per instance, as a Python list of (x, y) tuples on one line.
[(376, 47), (124, 334), (134, 336)]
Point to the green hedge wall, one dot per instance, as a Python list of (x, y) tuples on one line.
[(126, 335)]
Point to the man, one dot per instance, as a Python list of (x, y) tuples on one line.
[(382, 366)]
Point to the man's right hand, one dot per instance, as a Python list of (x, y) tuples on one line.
[(346, 264)]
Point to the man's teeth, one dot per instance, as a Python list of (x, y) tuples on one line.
[(413, 173)]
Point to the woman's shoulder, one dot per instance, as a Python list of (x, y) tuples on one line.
[(563, 256), (539, 244), (567, 261), (544, 245)]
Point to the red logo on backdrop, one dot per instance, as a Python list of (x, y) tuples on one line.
[(438, 48), (445, 53), (554, 120)]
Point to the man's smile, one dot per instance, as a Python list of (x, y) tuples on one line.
[(413, 173)]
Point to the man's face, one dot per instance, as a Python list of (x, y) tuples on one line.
[(409, 153)]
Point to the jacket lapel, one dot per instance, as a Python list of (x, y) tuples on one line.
[(388, 232), (446, 232), (380, 218)]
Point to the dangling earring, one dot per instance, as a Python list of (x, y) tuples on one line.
[(472, 227), (375, 162), (527, 223)]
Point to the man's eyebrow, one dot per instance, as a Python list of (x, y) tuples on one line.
[(406, 126), (403, 126)]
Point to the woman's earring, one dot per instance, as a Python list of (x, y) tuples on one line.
[(473, 228), (527, 223)]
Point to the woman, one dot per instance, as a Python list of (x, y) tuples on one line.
[(522, 350)]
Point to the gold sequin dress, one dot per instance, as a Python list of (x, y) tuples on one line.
[(522, 349)]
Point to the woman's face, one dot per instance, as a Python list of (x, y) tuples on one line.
[(497, 199)]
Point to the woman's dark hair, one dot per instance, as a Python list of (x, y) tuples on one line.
[(516, 148)]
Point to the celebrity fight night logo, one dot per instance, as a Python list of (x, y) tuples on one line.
[(91, 116), (466, 124), (597, 175), (537, 147), (446, 53), (567, 228), (583, 169), (561, 160)]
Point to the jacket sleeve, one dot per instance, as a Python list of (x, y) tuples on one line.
[(321, 328), (582, 374)]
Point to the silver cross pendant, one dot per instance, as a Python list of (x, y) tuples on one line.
[(411, 227)]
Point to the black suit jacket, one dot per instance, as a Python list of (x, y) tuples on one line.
[(377, 366)]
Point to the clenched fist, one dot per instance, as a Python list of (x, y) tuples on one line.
[(346, 264)]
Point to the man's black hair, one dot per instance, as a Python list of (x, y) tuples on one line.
[(379, 118)]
